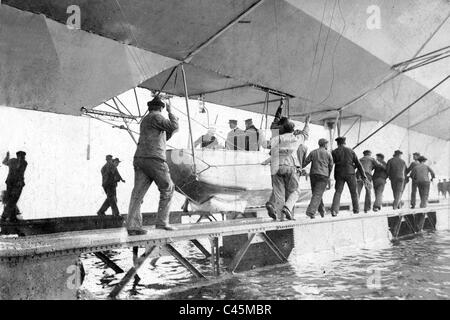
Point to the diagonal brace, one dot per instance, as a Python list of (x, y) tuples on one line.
[(273, 247), (183, 261), (138, 263)]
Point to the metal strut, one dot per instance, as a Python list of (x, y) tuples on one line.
[(186, 97)]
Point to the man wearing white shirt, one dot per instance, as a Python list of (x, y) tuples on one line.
[(285, 167)]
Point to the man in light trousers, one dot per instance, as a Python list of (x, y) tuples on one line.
[(150, 165)]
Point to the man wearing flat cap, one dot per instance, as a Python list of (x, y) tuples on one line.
[(415, 162), (321, 167), (396, 170), (150, 165), (14, 185), (234, 137), (420, 174), (346, 162)]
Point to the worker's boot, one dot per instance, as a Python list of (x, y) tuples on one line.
[(271, 211), (287, 213), (166, 226), (137, 232), (311, 215)]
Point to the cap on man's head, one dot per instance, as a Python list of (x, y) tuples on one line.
[(289, 126), (367, 152), (232, 121), (109, 157), (21, 153), (322, 142), (422, 159), (380, 155), (117, 160), (249, 121), (155, 103), (416, 154), (397, 152), (340, 139)]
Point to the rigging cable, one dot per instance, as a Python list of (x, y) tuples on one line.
[(402, 111)]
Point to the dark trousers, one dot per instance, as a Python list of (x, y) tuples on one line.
[(378, 187), (339, 187), (397, 191), (413, 193), (368, 198), (424, 191), (111, 201), (12, 196), (318, 186)]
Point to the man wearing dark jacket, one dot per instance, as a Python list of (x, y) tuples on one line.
[(368, 163), (346, 162), (14, 185), (150, 165), (396, 170), (109, 184), (379, 181)]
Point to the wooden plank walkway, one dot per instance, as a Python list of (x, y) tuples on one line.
[(108, 239)]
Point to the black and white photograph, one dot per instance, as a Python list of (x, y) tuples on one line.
[(237, 152)]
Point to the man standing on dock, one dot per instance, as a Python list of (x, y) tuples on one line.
[(420, 174), (321, 167), (285, 167), (14, 185), (346, 162), (379, 181), (396, 170), (369, 164), (109, 184), (415, 162), (150, 165)]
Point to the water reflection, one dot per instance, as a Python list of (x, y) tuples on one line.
[(417, 268)]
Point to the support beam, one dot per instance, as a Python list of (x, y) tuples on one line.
[(183, 261), (196, 243), (273, 247), (139, 262), (215, 255), (241, 253), (111, 264)]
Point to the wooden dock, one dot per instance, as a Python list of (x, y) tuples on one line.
[(42, 261)]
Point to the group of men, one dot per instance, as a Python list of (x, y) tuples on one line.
[(287, 160), (110, 178), (250, 139), (365, 173)]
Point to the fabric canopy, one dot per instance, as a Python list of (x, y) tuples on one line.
[(321, 53)]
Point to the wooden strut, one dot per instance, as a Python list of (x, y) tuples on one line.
[(243, 250), (196, 243), (138, 263), (415, 227), (215, 255), (184, 261)]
